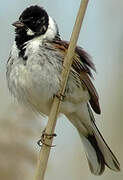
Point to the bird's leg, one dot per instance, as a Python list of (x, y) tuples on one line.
[(60, 96), (45, 136)]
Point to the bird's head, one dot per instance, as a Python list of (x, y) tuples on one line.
[(34, 22)]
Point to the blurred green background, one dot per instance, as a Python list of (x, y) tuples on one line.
[(102, 37)]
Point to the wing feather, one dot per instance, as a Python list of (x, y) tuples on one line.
[(82, 64)]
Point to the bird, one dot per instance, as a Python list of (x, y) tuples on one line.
[(33, 74)]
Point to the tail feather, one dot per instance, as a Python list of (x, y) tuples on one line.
[(94, 155), (97, 151), (110, 159)]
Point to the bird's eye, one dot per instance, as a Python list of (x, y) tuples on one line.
[(30, 18), (38, 21), (33, 22)]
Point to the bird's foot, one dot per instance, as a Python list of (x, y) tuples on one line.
[(60, 96), (45, 136)]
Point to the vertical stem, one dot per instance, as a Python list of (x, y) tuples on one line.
[(45, 150)]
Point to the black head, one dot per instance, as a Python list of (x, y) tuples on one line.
[(32, 22), (36, 19)]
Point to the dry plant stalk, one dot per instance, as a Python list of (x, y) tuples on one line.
[(45, 150)]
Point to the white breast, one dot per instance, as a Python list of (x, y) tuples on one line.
[(36, 82)]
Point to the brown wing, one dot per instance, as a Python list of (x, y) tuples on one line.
[(82, 65), (94, 99)]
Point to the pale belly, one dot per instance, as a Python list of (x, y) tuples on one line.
[(36, 87)]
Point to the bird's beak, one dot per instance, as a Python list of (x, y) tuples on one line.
[(18, 24)]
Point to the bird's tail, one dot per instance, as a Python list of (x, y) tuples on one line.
[(97, 151)]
